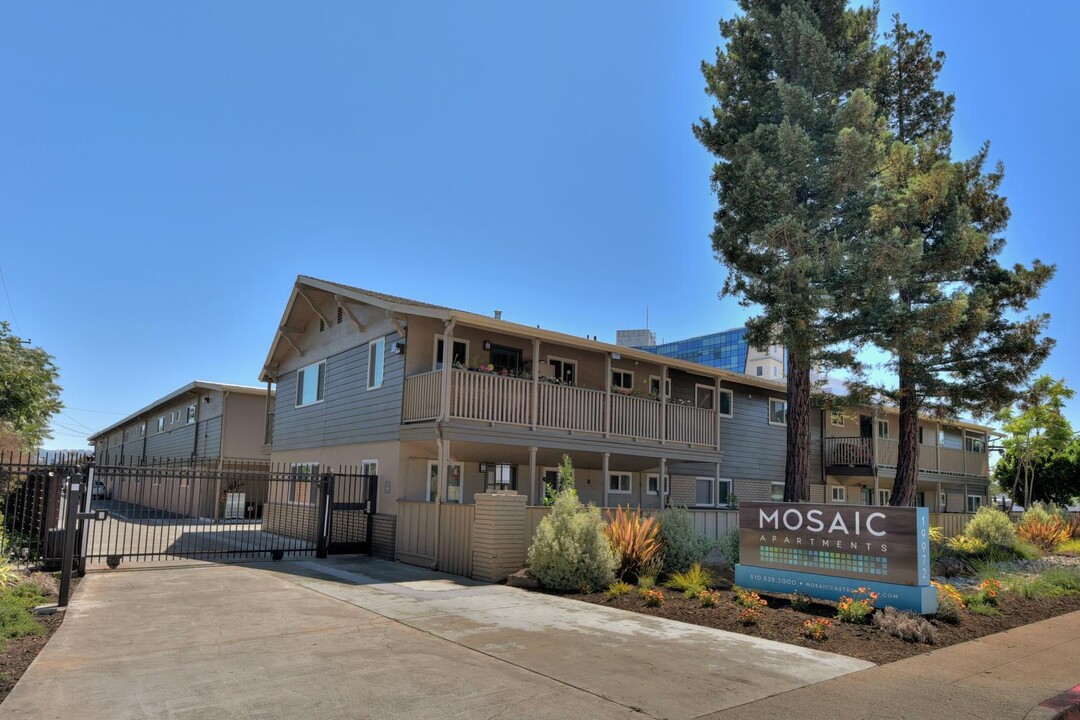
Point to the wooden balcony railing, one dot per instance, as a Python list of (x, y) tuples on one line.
[(505, 400), (852, 451), (859, 452)]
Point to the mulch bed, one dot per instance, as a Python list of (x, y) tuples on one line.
[(866, 642)]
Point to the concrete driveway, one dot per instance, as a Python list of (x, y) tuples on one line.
[(372, 639)]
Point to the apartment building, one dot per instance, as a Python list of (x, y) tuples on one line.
[(727, 350), (442, 404)]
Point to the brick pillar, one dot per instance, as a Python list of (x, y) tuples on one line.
[(498, 527)]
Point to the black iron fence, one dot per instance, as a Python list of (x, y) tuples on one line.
[(198, 509)]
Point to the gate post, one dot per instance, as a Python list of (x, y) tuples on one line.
[(74, 499), (322, 515), (84, 506), (372, 501)]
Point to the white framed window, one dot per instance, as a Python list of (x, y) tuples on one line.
[(974, 502), (884, 496), (619, 482), (369, 467), (838, 493), (622, 379), (776, 492), (190, 414), (883, 429), (376, 363), (459, 355), (142, 431), (161, 424), (455, 481), (652, 480), (310, 384), (921, 435), (727, 403), (654, 386), (500, 476), (565, 370), (836, 418), (975, 443), (711, 492), (704, 396), (302, 485), (777, 412), (943, 499)]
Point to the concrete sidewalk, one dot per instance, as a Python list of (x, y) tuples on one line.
[(372, 639), (1002, 676)]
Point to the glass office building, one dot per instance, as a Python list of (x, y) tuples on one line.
[(726, 350)]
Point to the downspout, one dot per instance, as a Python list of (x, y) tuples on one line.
[(444, 415), (215, 500)]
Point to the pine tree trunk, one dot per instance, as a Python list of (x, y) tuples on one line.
[(907, 459), (797, 469)]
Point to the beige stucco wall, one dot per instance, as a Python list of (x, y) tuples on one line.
[(244, 426)]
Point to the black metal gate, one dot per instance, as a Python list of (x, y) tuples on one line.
[(181, 510)]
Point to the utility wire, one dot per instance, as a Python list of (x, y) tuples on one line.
[(77, 421), (11, 309)]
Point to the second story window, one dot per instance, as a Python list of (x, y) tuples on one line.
[(777, 412), (622, 380), (505, 359), (727, 403), (376, 363), (883, 429), (836, 418), (310, 383), (459, 355), (976, 444), (190, 414), (161, 424)]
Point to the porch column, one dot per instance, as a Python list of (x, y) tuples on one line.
[(938, 504), (607, 398), (877, 495), (447, 361), (874, 448), (716, 486), (937, 444), (535, 382), (533, 498), (660, 482), (606, 466), (716, 407), (964, 505), (663, 404)]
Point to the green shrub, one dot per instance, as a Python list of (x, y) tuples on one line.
[(966, 546), (950, 603), (907, 626), (729, 546), (683, 545), (857, 609), (618, 589), (9, 575), (636, 540), (800, 602), (1027, 551), (692, 582), (571, 550), (981, 608), (646, 582), (1069, 547), (992, 526)]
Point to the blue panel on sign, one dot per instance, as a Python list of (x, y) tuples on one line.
[(922, 600)]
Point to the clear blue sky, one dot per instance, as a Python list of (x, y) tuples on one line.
[(169, 168)]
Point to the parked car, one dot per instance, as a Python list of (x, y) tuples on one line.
[(98, 491)]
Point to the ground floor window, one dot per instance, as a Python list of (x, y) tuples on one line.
[(712, 492), (619, 482), (455, 473), (839, 494), (920, 499), (652, 480), (973, 503), (776, 492), (302, 484), (884, 496)]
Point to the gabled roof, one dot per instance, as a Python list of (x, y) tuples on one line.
[(191, 387)]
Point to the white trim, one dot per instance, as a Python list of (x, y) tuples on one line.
[(978, 505), (364, 463), (884, 495), (838, 498), (656, 476), (832, 418), (731, 404), (883, 424), (715, 495), (436, 358), (769, 412), (620, 371), (313, 472), (434, 465), (712, 394), (300, 385), (621, 474), (381, 359), (667, 385)]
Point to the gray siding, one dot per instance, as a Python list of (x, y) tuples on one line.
[(350, 413), (171, 444), (753, 449), (210, 437)]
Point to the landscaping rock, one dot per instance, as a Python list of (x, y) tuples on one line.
[(523, 579), (717, 563)]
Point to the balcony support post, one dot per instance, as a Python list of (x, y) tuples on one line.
[(877, 490), (447, 361), (533, 499), (716, 408), (535, 410), (937, 446), (607, 398), (660, 482), (606, 465), (941, 506), (663, 403)]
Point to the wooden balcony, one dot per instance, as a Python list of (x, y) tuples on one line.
[(855, 456), (493, 398)]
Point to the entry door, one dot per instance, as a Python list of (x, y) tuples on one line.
[(866, 426)]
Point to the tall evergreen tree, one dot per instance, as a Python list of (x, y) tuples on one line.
[(29, 393), (937, 299), (795, 135)]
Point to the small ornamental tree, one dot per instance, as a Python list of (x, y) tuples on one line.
[(1035, 433)]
